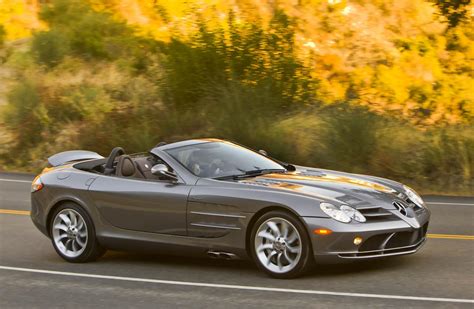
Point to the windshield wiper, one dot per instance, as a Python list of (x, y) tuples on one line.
[(259, 172), (252, 173)]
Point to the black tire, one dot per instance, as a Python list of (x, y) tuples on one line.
[(306, 259), (93, 250)]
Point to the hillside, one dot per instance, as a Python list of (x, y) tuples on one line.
[(379, 87)]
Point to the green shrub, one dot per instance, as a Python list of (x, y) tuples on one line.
[(87, 33), (257, 63), (449, 159), (50, 47), (26, 113), (349, 137)]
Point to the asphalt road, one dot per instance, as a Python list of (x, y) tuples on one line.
[(32, 275)]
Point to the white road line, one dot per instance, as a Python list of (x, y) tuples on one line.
[(15, 180), (443, 203), (238, 287)]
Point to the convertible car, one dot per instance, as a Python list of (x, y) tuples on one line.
[(218, 198)]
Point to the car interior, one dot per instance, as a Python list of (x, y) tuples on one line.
[(119, 164)]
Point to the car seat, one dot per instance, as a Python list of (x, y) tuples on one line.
[(127, 168)]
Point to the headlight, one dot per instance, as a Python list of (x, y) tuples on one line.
[(353, 213), (414, 197), (344, 214), (334, 212), (36, 185)]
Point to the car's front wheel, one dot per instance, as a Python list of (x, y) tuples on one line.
[(73, 234), (280, 245)]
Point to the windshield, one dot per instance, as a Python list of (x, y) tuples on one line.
[(221, 159)]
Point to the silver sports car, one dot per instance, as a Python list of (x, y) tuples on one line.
[(214, 197)]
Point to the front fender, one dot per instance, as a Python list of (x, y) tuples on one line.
[(251, 199)]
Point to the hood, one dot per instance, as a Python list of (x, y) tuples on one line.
[(331, 186)]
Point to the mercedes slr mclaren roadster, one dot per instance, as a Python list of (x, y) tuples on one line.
[(214, 197)]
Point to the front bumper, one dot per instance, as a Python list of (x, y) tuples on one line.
[(379, 239)]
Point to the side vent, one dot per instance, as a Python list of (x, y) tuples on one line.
[(375, 213)]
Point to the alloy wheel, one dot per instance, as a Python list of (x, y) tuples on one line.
[(70, 233), (278, 245)]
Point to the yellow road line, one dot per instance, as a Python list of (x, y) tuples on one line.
[(15, 212), (435, 236), (451, 236)]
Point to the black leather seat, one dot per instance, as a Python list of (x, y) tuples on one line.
[(144, 165), (127, 168)]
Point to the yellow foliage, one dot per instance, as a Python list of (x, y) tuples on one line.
[(19, 18)]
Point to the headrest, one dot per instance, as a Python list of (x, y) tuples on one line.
[(127, 168)]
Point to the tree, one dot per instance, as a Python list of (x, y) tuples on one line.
[(455, 11)]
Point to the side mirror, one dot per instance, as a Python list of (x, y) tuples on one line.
[(263, 152), (162, 170)]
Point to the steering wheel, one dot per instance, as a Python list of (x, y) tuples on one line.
[(109, 165), (216, 166)]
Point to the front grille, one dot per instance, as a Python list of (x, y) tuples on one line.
[(394, 240), (403, 239), (376, 213), (401, 207), (407, 208), (374, 242), (409, 203), (389, 244)]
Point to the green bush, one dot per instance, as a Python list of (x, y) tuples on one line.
[(26, 113), (349, 137), (86, 33), (50, 47), (449, 159), (258, 63)]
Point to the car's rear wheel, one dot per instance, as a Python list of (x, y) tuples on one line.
[(280, 245), (73, 234)]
